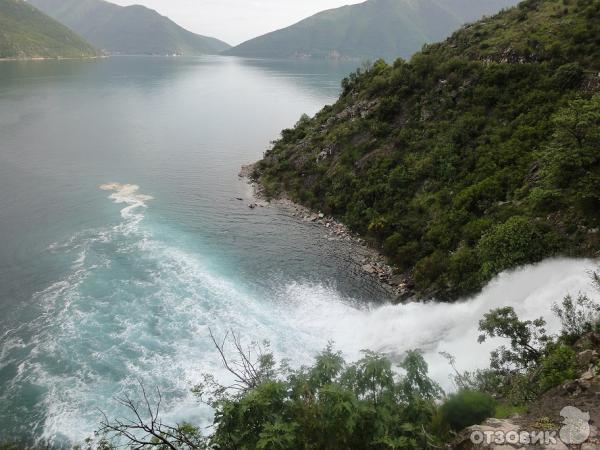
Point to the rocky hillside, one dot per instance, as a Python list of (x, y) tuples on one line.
[(26, 32), (477, 155)]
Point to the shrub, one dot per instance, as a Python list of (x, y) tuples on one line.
[(467, 408), (578, 316), (429, 271), (544, 200), (559, 366), (514, 242)]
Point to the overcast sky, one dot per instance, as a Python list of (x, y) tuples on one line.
[(235, 21)]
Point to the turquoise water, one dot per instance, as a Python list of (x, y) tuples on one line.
[(123, 242), (97, 291)]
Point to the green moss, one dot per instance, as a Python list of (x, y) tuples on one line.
[(506, 410)]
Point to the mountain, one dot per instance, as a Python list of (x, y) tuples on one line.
[(373, 29), (26, 32), (132, 30), (478, 155)]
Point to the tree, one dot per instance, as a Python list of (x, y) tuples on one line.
[(579, 315), (573, 161), (330, 404), (578, 123), (145, 430), (527, 338)]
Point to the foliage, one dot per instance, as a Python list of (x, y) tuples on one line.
[(558, 366), (332, 405), (535, 361), (578, 316), (466, 408), (527, 338), (515, 242), (504, 410), (477, 155)]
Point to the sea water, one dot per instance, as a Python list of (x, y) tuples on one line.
[(124, 243)]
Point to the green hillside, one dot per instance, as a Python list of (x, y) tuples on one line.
[(478, 155), (26, 32), (373, 29), (131, 30)]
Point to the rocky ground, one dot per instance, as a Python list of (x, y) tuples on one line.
[(372, 262), (544, 415)]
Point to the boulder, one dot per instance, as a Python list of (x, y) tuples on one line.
[(585, 358)]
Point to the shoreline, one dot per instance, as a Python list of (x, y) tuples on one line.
[(372, 262), (48, 58)]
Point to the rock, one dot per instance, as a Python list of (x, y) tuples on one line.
[(397, 280), (558, 446), (246, 170), (587, 375), (464, 442), (585, 358), (571, 387), (369, 268), (321, 215), (486, 434), (589, 340)]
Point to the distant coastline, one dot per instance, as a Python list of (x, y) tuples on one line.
[(48, 58)]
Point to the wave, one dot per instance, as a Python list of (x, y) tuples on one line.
[(136, 306)]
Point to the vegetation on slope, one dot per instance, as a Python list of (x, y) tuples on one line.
[(480, 154), (131, 30), (26, 32), (373, 29)]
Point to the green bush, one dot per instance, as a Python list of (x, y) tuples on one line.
[(578, 316), (466, 408), (557, 367), (516, 241)]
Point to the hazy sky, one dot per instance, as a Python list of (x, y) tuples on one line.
[(235, 21)]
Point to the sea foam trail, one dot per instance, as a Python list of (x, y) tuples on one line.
[(135, 306), (127, 193)]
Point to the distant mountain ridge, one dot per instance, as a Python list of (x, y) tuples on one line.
[(26, 32), (373, 29), (132, 30)]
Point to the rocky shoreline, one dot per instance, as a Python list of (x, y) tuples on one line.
[(370, 260)]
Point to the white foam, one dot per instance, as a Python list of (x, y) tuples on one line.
[(152, 323), (128, 194), (435, 327)]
